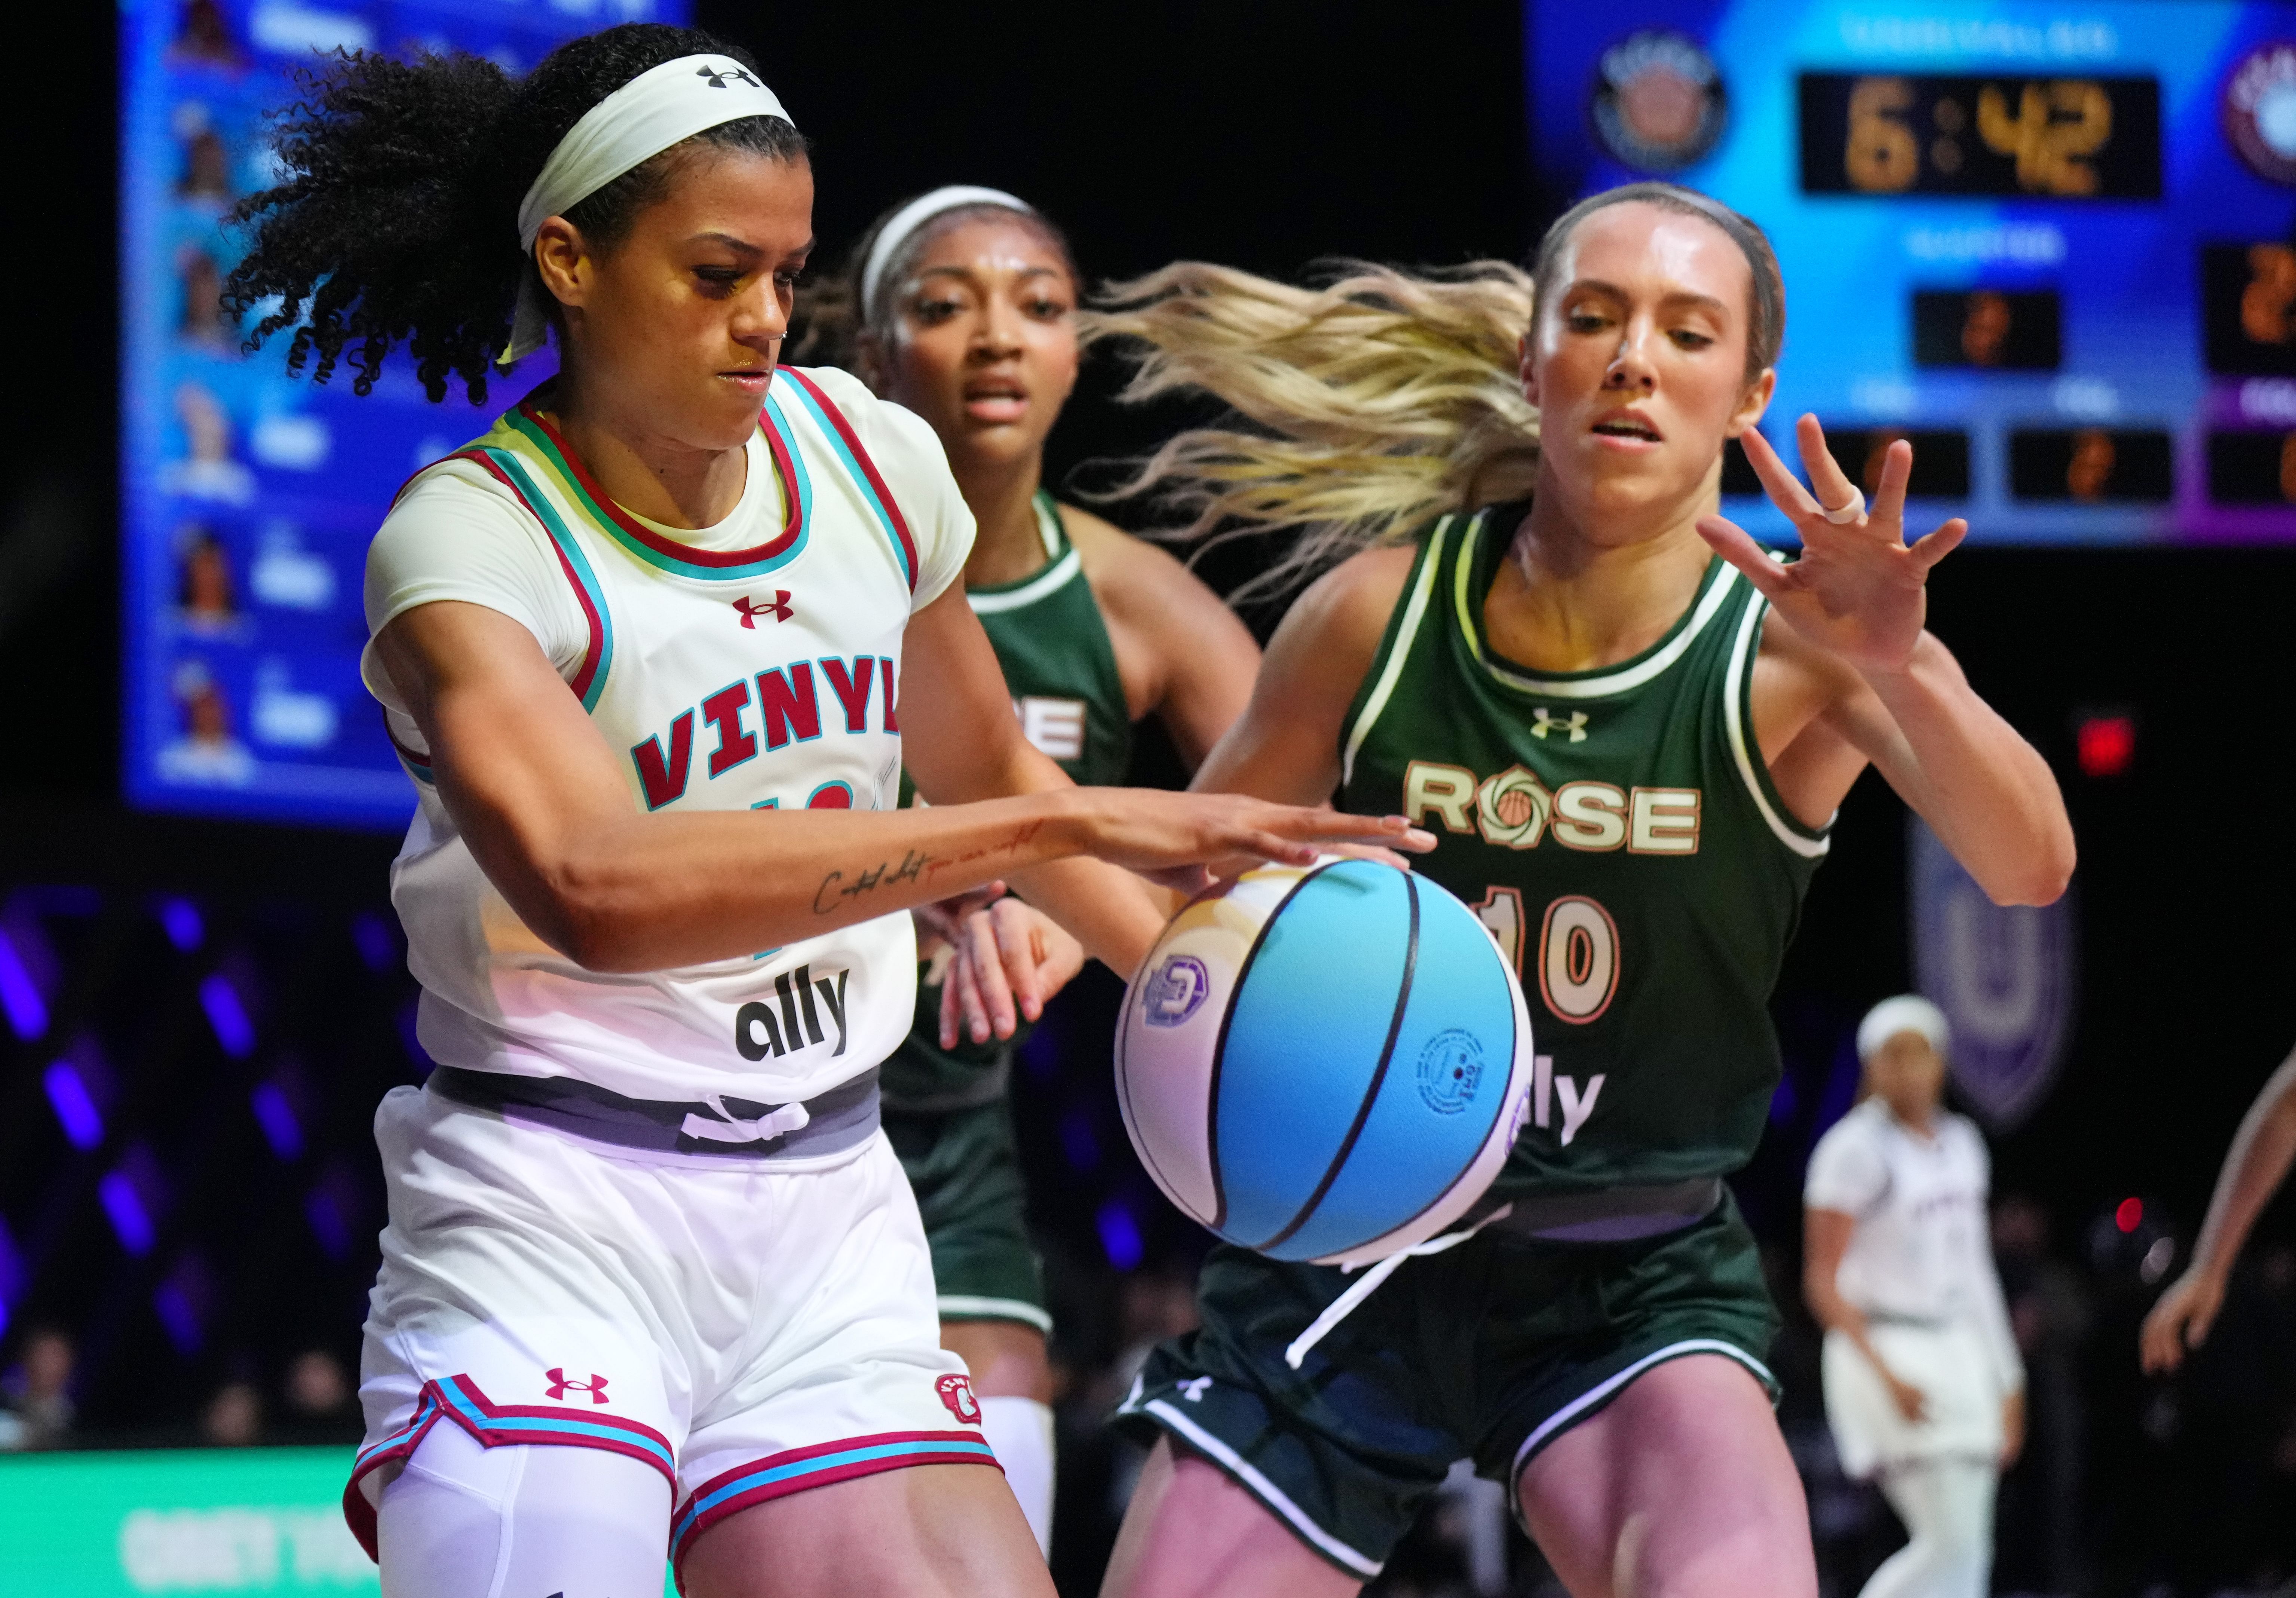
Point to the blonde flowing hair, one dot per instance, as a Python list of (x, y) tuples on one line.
[(1372, 403), (1377, 402)]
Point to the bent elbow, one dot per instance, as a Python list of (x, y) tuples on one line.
[(2042, 881)]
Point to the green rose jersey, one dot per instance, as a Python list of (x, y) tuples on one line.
[(1618, 832)]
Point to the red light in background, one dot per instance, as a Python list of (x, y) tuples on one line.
[(2107, 744), (2128, 1214)]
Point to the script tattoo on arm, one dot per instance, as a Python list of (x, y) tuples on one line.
[(1022, 836), (885, 873)]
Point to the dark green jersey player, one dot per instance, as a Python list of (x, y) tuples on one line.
[(945, 1107), (961, 306), (1627, 728), (1615, 832)]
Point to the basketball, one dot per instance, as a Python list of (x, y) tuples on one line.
[(1326, 1062)]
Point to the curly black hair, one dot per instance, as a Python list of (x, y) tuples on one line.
[(398, 223)]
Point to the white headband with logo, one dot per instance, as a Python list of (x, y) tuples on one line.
[(904, 224), (662, 106), (1908, 1013)]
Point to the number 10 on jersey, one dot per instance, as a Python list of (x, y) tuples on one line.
[(1576, 959)]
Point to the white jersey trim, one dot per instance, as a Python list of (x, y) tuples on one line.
[(1709, 605), (1413, 611), (1051, 580), (1570, 1413), (1255, 1481), (972, 1306), (1733, 721)]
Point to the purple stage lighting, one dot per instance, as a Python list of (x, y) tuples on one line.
[(74, 1105)]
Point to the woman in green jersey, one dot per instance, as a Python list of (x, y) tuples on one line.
[(960, 305), (1559, 657)]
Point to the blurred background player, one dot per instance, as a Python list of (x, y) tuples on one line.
[(2253, 1168), (1629, 729), (1924, 1388), (960, 306)]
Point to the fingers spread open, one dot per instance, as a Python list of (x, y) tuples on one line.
[(1833, 486), (1933, 548), (1785, 490), (1890, 494), (1735, 544)]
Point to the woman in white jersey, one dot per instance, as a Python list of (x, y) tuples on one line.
[(652, 1276), (1923, 1386), (960, 305)]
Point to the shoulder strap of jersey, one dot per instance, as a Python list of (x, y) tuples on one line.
[(1065, 565), (498, 453), (1419, 591), (1811, 843), (847, 445)]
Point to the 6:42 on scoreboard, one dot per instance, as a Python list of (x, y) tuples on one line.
[(2062, 138)]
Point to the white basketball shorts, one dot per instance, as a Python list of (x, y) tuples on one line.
[(750, 1332), (1961, 1398)]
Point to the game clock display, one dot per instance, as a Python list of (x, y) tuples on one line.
[(2055, 250), (248, 496)]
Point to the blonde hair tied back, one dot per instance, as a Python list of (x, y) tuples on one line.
[(1376, 402)]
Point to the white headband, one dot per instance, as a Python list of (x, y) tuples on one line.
[(1908, 1013), (904, 223), (662, 106)]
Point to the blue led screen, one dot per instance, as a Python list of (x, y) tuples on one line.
[(248, 496)]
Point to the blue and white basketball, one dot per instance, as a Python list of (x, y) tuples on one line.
[(1326, 1062)]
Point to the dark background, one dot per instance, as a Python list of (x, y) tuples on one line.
[(1266, 135)]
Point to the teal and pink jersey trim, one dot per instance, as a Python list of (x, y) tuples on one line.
[(778, 1475), (457, 1398), (848, 444)]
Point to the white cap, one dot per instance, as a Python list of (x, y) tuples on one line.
[(1908, 1013)]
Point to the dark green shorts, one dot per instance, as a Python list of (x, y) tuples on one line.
[(966, 1172), (1487, 1351)]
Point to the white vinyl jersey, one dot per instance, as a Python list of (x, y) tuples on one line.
[(757, 678), (1920, 1251)]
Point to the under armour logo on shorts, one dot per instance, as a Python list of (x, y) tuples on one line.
[(562, 1384), (718, 76), (956, 1392), (1194, 1388)]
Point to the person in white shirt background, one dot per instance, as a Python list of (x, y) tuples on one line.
[(1924, 1391)]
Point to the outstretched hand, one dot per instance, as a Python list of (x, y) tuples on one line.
[(1187, 842), (1857, 590), (2179, 1321)]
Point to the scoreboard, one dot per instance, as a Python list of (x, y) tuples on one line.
[(2054, 247), (248, 496)]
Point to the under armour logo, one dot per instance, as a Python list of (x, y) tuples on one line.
[(778, 608), (561, 1384), (1542, 722), (1194, 1389), (718, 76)]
